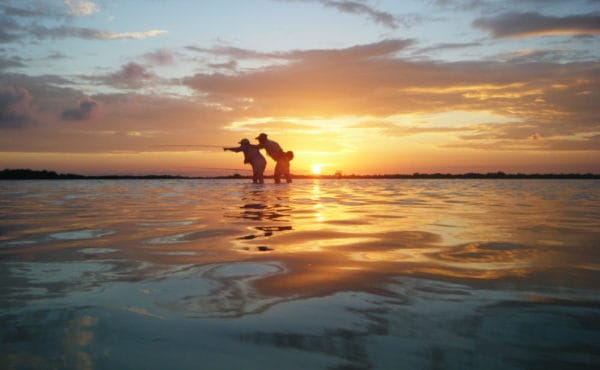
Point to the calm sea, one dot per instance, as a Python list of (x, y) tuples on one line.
[(329, 274)]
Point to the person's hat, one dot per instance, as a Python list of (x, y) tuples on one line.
[(244, 141), (261, 136)]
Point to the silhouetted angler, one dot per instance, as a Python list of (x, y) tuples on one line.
[(282, 168), (252, 155)]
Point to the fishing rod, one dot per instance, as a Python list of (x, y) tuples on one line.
[(187, 145), (223, 169)]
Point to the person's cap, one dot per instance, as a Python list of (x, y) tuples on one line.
[(261, 136), (244, 141)]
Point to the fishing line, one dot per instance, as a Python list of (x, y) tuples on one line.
[(187, 145)]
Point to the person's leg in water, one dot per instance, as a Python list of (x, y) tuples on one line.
[(282, 169), (254, 175), (277, 173), (258, 170), (285, 167)]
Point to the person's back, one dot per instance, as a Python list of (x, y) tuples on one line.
[(273, 149), (251, 154), (282, 168)]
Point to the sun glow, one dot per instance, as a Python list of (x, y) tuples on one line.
[(316, 169)]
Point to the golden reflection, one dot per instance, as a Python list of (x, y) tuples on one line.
[(328, 235), (316, 196)]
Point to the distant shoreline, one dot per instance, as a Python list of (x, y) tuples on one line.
[(28, 174)]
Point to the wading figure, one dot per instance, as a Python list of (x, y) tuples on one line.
[(282, 168), (252, 155)]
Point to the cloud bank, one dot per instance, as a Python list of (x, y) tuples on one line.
[(534, 24), (16, 107)]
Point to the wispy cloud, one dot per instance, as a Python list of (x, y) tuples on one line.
[(43, 22), (80, 8), (447, 46), (535, 24), (359, 8), (11, 62), (41, 32), (374, 50)]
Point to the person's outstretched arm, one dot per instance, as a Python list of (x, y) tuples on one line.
[(237, 149)]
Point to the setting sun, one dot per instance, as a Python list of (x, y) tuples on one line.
[(316, 169)]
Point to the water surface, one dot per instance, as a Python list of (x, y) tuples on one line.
[(329, 274)]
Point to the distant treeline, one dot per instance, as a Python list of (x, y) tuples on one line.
[(28, 174)]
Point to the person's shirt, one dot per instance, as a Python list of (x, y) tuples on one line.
[(273, 149), (251, 153)]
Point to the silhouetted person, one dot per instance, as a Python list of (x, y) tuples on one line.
[(252, 155), (282, 168)]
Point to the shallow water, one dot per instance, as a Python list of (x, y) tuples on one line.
[(329, 274)]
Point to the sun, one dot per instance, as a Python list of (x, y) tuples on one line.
[(316, 169)]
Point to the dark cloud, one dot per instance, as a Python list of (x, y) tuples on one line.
[(384, 18), (56, 56), (231, 65), (30, 21), (535, 24), (25, 13), (35, 9), (546, 56), (10, 30), (355, 7), (60, 32), (130, 76), (11, 62), (16, 107), (378, 49), (86, 110), (237, 53), (447, 46), (162, 57)]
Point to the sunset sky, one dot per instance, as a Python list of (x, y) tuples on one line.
[(365, 87)]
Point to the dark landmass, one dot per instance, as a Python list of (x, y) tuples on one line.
[(27, 174)]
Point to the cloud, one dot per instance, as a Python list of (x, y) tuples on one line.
[(57, 55), (374, 50), (354, 7), (9, 30), (34, 9), (231, 65), (556, 55), (31, 21), (553, 99), (11, 62), (384, 18), (87, 109), (534, 24), (16, 107), (162, 57), (131, 75), (237, 53), (447, 46), (42, 32), (83, 8)]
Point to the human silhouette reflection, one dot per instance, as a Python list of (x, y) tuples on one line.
[(266, 212)]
